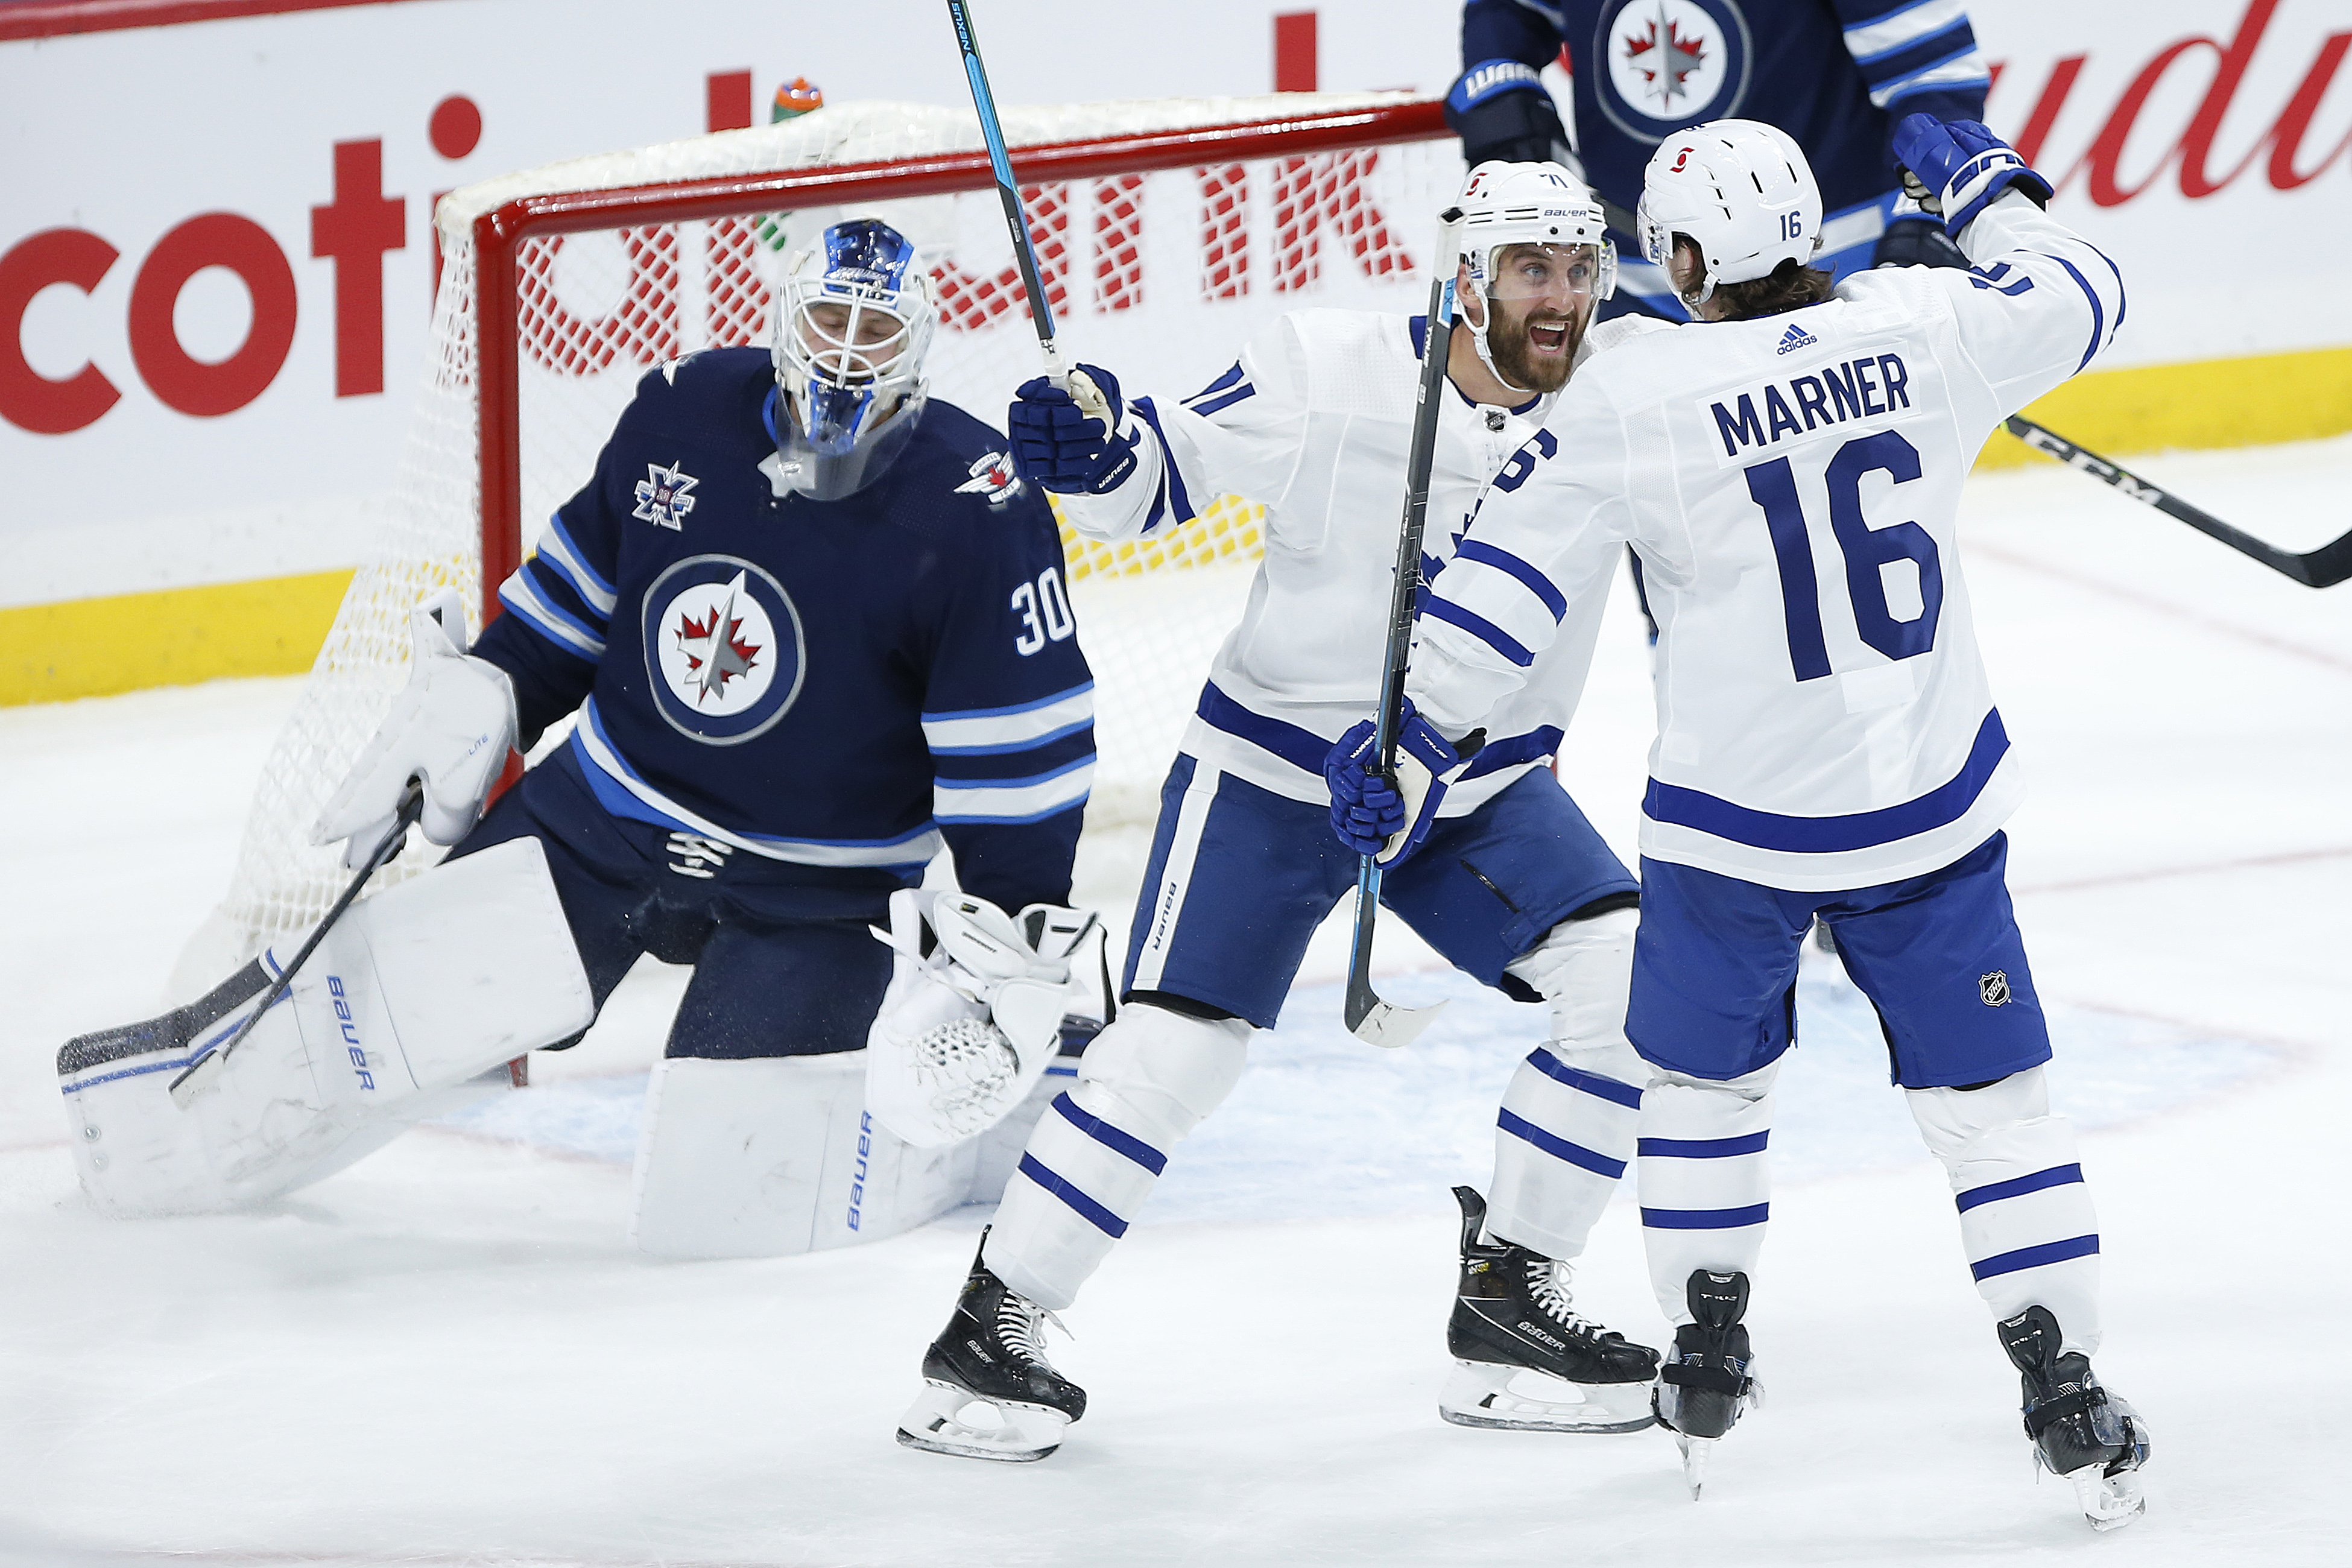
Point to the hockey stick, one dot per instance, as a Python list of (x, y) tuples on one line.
[(199, 1078), (1024, 254), (1368, 1017), (2321, 568)]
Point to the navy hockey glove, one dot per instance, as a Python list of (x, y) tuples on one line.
[(1917, 242), (1069, 442), (1963, 166), (1502, 110), (1385, 819)]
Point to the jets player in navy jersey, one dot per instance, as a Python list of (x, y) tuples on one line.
[(1834, 74), (1314, 422), (1790, 468), (815, 632)]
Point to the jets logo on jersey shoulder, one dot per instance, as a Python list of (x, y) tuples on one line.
[(664, 496), (991, 476), (724, 651), (1669, 64)]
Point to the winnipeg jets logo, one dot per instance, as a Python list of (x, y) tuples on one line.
[(714, 647), (1668, 64), (664, 496), (1994, 987), (991, 476)]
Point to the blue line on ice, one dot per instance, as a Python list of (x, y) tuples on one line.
[(1323, 1126)]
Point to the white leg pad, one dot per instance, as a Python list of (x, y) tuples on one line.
[(413, 997), (1706, 1183), (1585, 969), (1146, 1081), (2026, 1218), (1563, 1137), (777, 1155)]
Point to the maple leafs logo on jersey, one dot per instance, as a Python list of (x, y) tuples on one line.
[(715, 651), (664, 496), (991, 476)]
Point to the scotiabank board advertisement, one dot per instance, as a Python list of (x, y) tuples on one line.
[(216, 254)]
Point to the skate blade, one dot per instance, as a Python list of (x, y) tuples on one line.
[(2109, 1502), (1479, 1394), (1695, 1453), (1022, 1433)]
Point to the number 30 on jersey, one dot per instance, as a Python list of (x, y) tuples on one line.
[(1045, 610)]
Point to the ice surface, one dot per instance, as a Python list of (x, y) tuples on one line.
[(446, 1354)]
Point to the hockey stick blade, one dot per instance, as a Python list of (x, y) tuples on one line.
[(202, 1074), (2321, 568), (1369, 1019)]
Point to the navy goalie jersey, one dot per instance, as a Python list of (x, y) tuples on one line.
[(845, 684)]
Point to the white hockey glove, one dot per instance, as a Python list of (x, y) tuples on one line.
[(974, 1015), (451, 727)]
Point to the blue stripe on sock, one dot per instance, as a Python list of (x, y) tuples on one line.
[(1705, 1219), (1608, 1089), (2017, 1187), (1560, 1148), (1110, 1137), (2035, 1256), (1704, 1147), (1101, 1218)]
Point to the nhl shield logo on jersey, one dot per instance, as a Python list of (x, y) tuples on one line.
[(724, 652), (1994, 987), (664, 496), (991, 476), (1670, 64)]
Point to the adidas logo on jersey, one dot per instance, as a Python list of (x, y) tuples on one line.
[(1796, 337)]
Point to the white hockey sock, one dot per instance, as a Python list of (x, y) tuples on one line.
[(1705, 1183), (1145, 1082), (2026, 1219), (1564, 1136)]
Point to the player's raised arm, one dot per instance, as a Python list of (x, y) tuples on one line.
[(2039, 301), (1148, 468)]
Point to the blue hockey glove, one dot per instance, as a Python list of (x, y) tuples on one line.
[(1385, 819), (1963, 165), (1069, 442), (1916, 241)]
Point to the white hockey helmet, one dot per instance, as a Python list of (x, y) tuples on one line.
[(854, 319), (1743, 192), (1503, 205)]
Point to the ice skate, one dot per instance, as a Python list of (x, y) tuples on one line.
[(1706, 1387), (988, 1391), (1513, 1319), (2080, 1431)]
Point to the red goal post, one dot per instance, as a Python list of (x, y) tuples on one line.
[(1168, 231)]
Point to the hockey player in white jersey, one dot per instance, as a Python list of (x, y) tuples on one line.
[(1314, 421), (1789, 467)]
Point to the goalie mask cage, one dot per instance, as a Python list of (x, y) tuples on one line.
[(1166, 233)]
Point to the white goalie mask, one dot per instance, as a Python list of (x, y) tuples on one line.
[(854, 320), (1741, 191), (1541, 205)]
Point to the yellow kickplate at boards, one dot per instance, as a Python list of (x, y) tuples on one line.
[(2250, 402), (175, 637)]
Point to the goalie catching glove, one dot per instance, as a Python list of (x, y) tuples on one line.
[(450, 727), (974, 1015), (1388, 818)]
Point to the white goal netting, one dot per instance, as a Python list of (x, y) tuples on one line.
[(1158, 274)]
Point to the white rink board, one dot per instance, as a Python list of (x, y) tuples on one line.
[(446, 1356)]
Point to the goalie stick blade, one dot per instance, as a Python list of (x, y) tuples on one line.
[(2321, 568)]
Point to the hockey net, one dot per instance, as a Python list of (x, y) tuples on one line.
[(1166, 232)]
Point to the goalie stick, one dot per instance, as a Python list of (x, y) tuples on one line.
[(198, 1080), (1368, 1017), (2321, 568)]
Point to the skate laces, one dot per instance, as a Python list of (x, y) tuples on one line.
[(1550, 1284), (1021, 1327)]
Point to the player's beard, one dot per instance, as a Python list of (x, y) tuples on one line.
[(1508, 341)]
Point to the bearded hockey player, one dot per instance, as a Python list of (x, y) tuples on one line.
[(815, 632), (1790, 470), (1834, 74), (1313, 421)]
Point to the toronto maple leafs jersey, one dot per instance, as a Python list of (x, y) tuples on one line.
[(1793, 484), (1834, 74), (845, 684), (1314, 421)]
